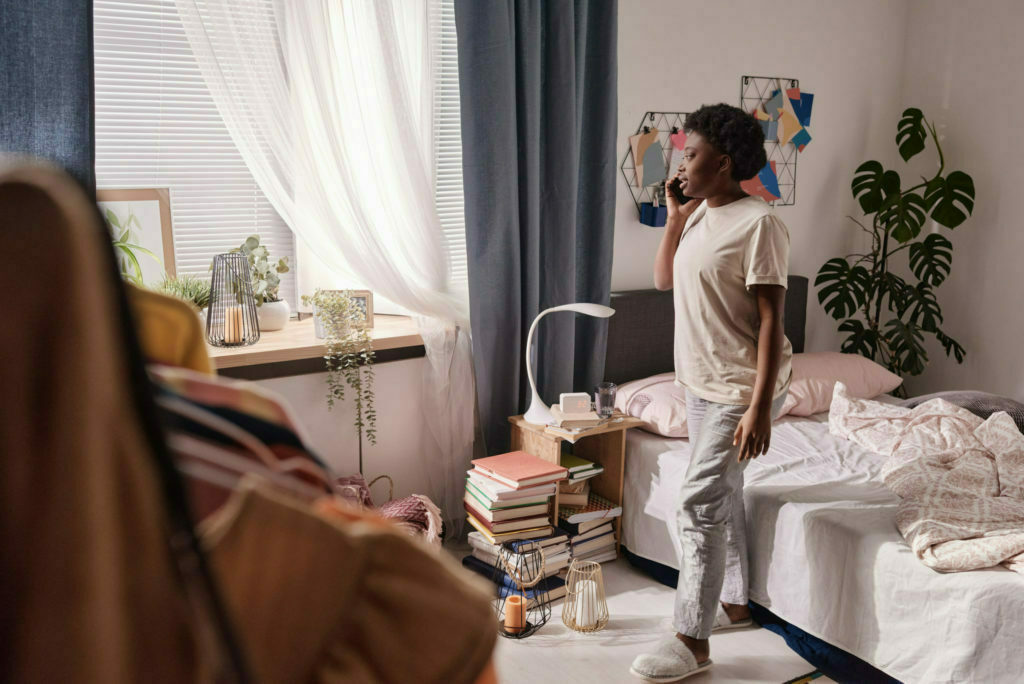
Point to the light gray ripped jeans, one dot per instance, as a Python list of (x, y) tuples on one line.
[(711, 519)]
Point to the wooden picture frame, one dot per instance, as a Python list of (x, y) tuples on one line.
[(152, 209), (365, 297)]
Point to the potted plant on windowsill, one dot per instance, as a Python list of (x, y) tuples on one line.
[(272, 312), (349, 357), (188, 288)]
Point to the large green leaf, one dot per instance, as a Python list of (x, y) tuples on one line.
[(842, 287), (951, 346), (924, 308), (951, 199), (931, 259), (130, 267), (904, 215), (872, 185), (112, 218), (910, 133), (861, 340), (894, 286), (906, 344), (251, 243)]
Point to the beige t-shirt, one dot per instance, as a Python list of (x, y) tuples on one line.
[(722, 254)]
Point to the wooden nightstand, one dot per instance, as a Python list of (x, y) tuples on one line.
[(605, 445)]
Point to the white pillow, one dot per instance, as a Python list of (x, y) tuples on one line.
[(815, 375), (657, 401), (661, 404)]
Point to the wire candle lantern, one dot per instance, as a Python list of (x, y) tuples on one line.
[(231, 319), (585, 608), (523, 603)]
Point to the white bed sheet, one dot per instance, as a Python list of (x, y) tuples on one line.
[(826, 556)]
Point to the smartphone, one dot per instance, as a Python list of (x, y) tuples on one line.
[(676, 188)]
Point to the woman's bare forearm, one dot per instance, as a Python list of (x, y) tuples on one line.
[(667, 252), (770, 307)]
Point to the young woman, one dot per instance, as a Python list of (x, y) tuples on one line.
[(726, 259)]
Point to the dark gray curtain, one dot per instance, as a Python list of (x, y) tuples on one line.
[(539, 119), (46, 83)]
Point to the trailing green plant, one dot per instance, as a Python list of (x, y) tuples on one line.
[(126, 245), (349, 357), (884, 315), (266, 279), (188, 288)]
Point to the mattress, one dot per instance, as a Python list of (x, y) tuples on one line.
[(826, 556)]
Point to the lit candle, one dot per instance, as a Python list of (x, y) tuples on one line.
[(233, 325), (515, 614), (586, 604)]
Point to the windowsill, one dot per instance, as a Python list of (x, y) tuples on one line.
[(295, 350)]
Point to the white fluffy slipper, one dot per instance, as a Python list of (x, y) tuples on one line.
[(723, 623), (670, 661)]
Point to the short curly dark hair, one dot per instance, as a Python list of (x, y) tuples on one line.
[(733, 132)]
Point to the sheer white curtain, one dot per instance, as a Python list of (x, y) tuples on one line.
[(329, 103)]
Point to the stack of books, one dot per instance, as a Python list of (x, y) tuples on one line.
[(572, 421), (554, 585), (591, 532), (555, 547), (507, 496), (575, 491), (484, 561), (571, 426)]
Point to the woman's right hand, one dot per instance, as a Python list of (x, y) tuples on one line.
[(677, 210)]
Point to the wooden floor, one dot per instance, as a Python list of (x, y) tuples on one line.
[(640, 611)]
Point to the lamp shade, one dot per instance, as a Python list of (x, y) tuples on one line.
[(539, 413)]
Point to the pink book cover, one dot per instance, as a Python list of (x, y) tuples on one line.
[(520, 466)]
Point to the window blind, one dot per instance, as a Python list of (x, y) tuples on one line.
[(448, 134), (157, 126)]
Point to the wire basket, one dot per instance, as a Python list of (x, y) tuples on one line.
[(523, 605), (585, 608), (231, 319)]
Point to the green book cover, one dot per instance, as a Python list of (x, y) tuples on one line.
[(575, 463), (488, 503)]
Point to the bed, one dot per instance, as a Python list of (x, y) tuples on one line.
[(825, 556)]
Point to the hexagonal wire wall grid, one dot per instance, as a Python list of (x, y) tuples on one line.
[(755, 91), (667, 123)]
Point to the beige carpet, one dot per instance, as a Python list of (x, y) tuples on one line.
[(640, 610)]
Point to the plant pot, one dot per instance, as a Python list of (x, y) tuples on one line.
[(318, 326), (273, 315)]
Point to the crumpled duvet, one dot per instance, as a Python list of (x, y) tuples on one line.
[(960, 478)]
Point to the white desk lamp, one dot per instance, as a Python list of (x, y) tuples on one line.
[(539, 413)]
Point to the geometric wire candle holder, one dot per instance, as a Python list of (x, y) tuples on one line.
[(523, 605), (585, 608), (231, 318)]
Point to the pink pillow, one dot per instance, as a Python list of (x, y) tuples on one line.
[(815, 375), (657, 401)]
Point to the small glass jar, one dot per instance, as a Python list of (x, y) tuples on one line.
[(604, 399)]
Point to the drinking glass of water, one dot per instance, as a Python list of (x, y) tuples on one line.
[(604, 399)]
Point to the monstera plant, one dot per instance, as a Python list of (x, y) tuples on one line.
[(886, 316)]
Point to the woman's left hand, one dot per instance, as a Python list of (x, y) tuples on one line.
[(754, 433)]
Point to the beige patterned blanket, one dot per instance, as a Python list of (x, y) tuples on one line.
[(960, 478)]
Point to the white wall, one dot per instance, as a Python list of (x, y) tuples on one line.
[(962, 68), (404, 449), (677, 56)]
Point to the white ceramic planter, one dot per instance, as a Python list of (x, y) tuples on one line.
[(273, 315)]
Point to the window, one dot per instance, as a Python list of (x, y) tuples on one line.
[(157, 126), (448, 135)]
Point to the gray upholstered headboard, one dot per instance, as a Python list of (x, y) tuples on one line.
[(641, 331)]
